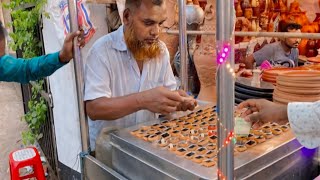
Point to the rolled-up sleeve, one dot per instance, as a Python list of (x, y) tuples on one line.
[(304, 119), (97, 77)]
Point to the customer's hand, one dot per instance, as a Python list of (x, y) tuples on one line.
[(189, 103), (160, 100), (261, 111), (66, 53)]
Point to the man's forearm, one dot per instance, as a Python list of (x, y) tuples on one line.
[(113, 108), (23, 70)]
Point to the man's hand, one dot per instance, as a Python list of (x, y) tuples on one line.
[(261, 111), (189, 103), (160, 100), (66, 53)]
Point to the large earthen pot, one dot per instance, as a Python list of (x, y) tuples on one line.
[(205, 57), (206, 68)]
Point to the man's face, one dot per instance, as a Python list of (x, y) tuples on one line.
[(293, 42), (143, 26)]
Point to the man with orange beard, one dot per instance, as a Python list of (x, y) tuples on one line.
[(128, 77)]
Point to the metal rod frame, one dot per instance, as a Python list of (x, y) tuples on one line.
[(78, 68), (225, 93), (183, 45), (253, 34)]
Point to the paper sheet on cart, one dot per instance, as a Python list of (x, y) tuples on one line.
[(242, 127)]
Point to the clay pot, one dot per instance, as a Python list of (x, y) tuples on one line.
[(294, 7), (204, 58), (239, 11), (300, 18), (262, 5), (303, 47), (311, 44), (194, 13), (283, 6), (304, 18), (196, 2), (311, 53), (271, 6), (256, 11), (246, 4), (206, 69), (248, 12)]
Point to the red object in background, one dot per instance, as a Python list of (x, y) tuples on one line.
[(311, 48), (202, 3), (318, 44), (257, 47), (28, 157)]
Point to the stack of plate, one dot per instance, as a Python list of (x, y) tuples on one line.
[(314, 59), (245, 90), (297, 86), (270, 75)]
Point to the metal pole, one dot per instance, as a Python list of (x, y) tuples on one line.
[(225, 106), (279, 34), (253, 34), (183, 45), (78, 68)]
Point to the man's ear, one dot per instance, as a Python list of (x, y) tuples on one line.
[(127, 17)]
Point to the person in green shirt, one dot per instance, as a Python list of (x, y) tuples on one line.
[(24, 70)]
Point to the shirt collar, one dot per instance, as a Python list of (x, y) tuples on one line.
[(118, 39)]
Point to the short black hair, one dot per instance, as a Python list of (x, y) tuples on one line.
[(137, 3), (289, 25)]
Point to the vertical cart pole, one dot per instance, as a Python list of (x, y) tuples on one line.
[(78, 68), (225, 85), (183, 45)]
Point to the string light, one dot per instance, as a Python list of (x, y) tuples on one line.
[(230, 138), (234, 74), (223, 52), (224, 49)]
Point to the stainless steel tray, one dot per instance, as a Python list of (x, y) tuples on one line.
[(130, 152)]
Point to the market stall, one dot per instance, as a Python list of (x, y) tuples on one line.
[(153, 149)]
